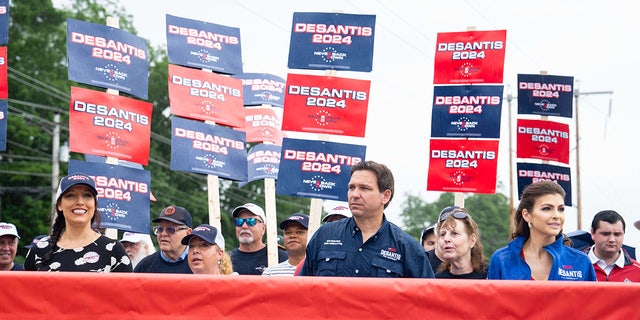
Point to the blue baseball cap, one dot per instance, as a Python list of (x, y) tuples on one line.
[(76, 179), (207, 233)]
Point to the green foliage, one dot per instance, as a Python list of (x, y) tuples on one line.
[(490, 211)]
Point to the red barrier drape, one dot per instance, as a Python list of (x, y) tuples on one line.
[(28, 295)]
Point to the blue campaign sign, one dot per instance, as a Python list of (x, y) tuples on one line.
[(529, 173), (262, 88), (317, 169), (264, 161), (107, 57), (3, 124), (466, 111), (545, 95), (4, 22), (123, 194), (205, 45), (208, 149), (322, 41)]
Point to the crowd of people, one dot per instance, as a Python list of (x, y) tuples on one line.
[(353, 241)]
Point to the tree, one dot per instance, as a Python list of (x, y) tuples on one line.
[(490, 211), (39, 88)]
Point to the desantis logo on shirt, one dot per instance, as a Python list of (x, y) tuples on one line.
[(567, 272), (391, 254)]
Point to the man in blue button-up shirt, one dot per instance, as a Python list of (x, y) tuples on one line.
[(366, 245)]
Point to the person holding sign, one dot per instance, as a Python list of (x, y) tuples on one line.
[(206, 251), (75, 243), (173, 224), (537, 251), (367, 244), (459, 243)]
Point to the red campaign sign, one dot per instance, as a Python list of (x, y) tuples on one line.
[(108, 125), (470, 57), (324, 104), (202, 95), (262, 124), (4, 82), (463, 165), (542, 139)]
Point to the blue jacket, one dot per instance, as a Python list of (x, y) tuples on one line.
[(569, 264)]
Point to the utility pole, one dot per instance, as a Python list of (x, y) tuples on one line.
[(577, 94), (511, 209), (55, 158)]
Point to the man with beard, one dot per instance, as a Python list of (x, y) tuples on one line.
[(251, 255), (137, 246)]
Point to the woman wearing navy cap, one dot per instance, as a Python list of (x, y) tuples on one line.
[(74, 243)]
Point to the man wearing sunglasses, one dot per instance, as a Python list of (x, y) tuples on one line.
[(173, 224), (367, 244), (251, 255)]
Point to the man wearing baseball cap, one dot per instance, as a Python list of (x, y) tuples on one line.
[(173, 224), (9, 247), (137, 246), (251, 255), (337, 213), (295, 230)]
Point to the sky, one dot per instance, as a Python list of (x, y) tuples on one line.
[(589, 40)]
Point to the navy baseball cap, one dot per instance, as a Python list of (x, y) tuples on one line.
[(76, 179), (207, 233), (34, 241), (298, 217), (175, 214)]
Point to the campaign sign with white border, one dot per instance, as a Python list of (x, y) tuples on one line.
[(205, 45), (529, 173), (262, 88), (123, 194), (326, 104), (4, 22), (542, 139), (207, 96), (4, 113), (339, 41), (467, 165), (545, 95), (466, 111), (107, 57), (317, 169), (264, 161), (208, 149), (262, 124), (104, 124), (4, 80), (469, 57)]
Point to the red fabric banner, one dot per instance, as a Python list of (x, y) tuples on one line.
[(463, 165), (73, 295), (201, 95), (543, 139), (469, 57), (108, 125), (324, 104)]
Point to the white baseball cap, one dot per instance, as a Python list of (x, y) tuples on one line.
[(131, 237), (8, 229), (339, 210)]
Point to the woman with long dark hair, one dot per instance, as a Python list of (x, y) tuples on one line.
[(75, 244)]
